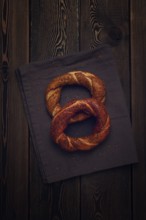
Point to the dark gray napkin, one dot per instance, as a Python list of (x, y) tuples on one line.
[(55, 164)]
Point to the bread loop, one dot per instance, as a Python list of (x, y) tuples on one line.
[(61, 120), (53, 93)]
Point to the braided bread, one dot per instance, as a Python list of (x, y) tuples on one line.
[(61, 119), (53, 93)]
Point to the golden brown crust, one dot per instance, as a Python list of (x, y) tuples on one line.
[(61, 119), (89, 80)]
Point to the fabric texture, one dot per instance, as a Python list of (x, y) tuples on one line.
[(55, 164)]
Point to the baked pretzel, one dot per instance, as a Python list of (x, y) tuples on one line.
[(53, 93), (61, 119)]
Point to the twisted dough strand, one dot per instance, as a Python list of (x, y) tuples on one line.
[(89, 80), (61, 119)]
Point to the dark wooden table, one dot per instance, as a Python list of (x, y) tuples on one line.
[(34, 30)]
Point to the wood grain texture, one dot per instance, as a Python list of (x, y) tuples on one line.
[(4, 102), (108, 22), (138, 82), (14, 127), (118, 11), (54, 28), (107, 195), (1, 114), (54, 32)]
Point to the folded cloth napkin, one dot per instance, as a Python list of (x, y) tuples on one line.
[(55, 164)]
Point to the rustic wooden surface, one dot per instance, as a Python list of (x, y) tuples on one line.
[(37, 29), (138, 93)]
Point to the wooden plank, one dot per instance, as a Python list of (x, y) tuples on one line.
[(14, 127), (4, 101), (138, 82), (1, 126), (107, 195), (54, 32)]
